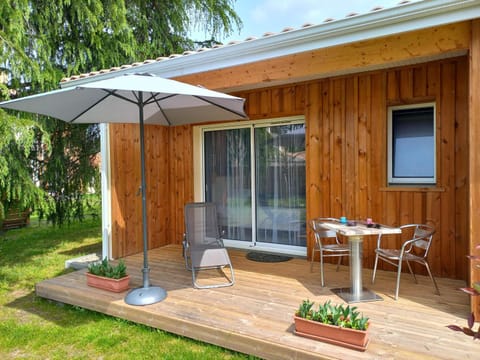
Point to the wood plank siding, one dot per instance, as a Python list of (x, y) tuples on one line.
[(125, 185), (347, 134), (346, 141), (473, 225)]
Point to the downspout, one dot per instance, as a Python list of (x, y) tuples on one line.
[(106, 195)]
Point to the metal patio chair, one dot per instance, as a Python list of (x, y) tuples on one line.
[(415, 249), (335, 249), (203, 247)]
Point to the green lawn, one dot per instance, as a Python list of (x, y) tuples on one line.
[(35, 328)]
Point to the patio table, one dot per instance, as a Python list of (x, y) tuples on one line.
[(355, 231)]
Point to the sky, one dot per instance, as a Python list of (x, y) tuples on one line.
[(261, 16)]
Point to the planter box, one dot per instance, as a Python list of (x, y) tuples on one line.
[(115, 285), (353, 339)]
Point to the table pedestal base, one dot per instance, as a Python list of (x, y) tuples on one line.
[(356, 292), (350, 297)]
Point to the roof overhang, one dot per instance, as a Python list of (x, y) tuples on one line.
[(402, 18)]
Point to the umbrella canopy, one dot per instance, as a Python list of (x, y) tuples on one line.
[(116, 100), (134, 98)]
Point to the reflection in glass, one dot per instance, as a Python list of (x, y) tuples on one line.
[(280, 184), (227, 180)]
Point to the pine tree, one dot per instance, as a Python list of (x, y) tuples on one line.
[(42, 41)]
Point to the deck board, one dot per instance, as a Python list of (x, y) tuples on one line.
[(255, 315)]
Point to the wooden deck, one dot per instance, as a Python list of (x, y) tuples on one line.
[(255, 315)]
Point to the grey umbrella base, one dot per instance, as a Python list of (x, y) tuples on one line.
[(145, 295)]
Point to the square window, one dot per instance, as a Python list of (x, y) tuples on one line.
[(411, 144)]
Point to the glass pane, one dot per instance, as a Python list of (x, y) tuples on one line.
[(280, 184), (414, 143), (227, 180)]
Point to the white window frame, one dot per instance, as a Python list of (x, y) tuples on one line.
[(393, 181), (199, 176)]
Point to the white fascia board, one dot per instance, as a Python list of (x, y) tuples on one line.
[(399, 19)]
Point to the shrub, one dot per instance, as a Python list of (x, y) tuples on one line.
[(105, 269), (339, 315)]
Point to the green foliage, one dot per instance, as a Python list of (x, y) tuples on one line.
[(42, 42), (305, 309), (161, 26), (92, 205), (105, 269), (338, 315), (70, 171), (17, 187)]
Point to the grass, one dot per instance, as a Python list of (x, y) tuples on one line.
[(35, 328)]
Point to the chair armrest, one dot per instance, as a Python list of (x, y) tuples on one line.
[(420, 242), (379, 241)]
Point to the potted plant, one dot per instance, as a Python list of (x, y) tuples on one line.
[(104, 275), (472, 291), (335, 324)]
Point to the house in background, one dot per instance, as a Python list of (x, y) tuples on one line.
[(374, 115)]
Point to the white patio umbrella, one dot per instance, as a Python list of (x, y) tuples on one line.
[(135, 98)]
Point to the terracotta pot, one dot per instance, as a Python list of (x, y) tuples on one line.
[(354, 339), (115, 285)]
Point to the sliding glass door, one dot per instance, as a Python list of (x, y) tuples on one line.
[(280, 184), (228, 173), (256, 176)]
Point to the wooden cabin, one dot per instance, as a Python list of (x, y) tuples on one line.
[(342, 87)]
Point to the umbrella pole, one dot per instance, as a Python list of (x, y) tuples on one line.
[(147, 294)]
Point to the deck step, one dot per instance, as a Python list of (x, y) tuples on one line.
[(82, 261)]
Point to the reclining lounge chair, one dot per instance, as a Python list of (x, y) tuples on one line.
[(203, 246)]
